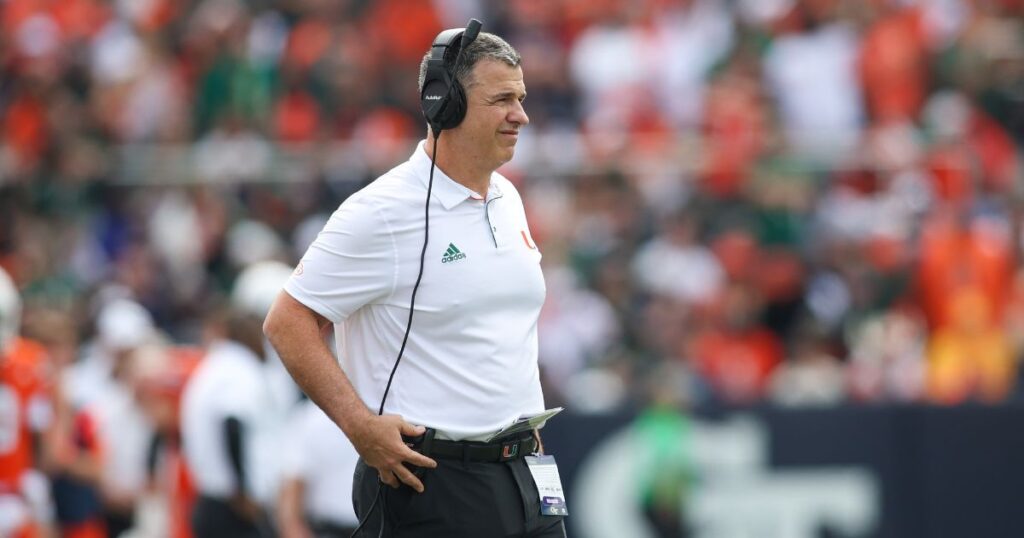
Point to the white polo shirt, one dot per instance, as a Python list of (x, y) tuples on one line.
[(318, 453), (231, 381), (470, 365)]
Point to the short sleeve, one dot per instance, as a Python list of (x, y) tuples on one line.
[(350, 264)]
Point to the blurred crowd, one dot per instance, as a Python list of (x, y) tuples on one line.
[(804, 202)]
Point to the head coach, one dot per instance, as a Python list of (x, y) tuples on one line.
[(433, 284)]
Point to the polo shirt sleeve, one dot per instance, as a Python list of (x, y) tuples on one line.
[(350, 264)]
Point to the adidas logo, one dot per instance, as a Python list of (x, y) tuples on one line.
[(452, 254)]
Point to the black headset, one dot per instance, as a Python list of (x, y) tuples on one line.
[(442, 98)]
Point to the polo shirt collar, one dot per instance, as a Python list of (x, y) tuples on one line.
[(447, 191)]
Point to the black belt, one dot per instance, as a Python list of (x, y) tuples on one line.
[(495, 451)]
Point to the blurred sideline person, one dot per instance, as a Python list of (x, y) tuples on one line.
[(70, 454), (316, 481), (25, 415), (470, 364), (157, 374), (123, 433), (231, 417)]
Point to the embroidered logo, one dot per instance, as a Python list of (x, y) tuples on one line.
[(509, 451), (452, 254)]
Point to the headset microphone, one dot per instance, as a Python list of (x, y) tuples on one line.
[(469, 35)]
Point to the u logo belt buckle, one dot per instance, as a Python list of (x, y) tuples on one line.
[(510, 450)]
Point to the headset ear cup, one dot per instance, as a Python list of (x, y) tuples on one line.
[(442, 98), (455, 109), (435, 93)]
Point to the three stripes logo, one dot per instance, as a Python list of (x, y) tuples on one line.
[(452, 254)]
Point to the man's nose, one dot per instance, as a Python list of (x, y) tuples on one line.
[(518, 114)]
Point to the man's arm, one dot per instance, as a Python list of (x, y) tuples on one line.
[(233, 432), (294, 331), (290, 513)]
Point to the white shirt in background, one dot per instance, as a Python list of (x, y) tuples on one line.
[(318, 453), (232, 381)]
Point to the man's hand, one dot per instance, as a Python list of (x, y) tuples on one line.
[(378, 439), (245, 507)]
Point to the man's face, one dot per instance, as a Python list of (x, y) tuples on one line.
[(494, 113)]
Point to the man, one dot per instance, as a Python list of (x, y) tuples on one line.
[(107, 392), (25, 416), (470, 359), (316, 478), (231, 418)]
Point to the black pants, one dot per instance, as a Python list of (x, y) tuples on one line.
[(468, 499), (118, 523), (322, 529), (214, 518)]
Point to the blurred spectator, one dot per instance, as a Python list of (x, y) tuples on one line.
[(665, 467), (964, 254), (887, 358), (121, 326), (810, 70), (689, 37), (969, 357), (105, 385), (811, 376), (232, 415), (160, 374), (732, 350), (577, 328), (676, 264), (71, 455), (893, 60), (316, 488), (254, 291), (26, 509)]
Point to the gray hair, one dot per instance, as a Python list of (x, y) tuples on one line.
[(487, 46)]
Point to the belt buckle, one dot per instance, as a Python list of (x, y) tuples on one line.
[(510, 450)]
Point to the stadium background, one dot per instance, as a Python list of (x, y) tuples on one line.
[(781, 210)]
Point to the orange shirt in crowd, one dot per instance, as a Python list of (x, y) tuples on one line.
[(893, 65), (402, 27), (738, 364), (985, 158), (955, 256), (735, 134), (971, 358)]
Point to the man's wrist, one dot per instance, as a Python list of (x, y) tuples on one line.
[(354, 417)]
